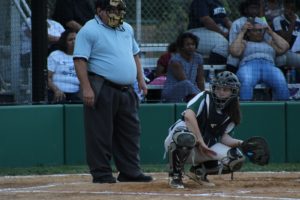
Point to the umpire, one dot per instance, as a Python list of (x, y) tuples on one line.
[(107, 64)]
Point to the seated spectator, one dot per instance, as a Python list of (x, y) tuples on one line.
[(257, 61), (62, 79), (54, 30), (209, 22), (162, 65), (73, 14), (163, 61), (287, 26), (185, 77), (249, 11)]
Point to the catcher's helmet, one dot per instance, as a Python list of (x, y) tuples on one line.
[(229, 80)]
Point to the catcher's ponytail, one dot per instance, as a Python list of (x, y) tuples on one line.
[(233, 110)]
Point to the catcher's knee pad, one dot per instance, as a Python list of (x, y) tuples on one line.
[(234, 160), (183, 138)]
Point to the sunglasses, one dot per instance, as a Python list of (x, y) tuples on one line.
[(257, 30)]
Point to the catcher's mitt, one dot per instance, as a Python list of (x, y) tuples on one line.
[(257, 150)]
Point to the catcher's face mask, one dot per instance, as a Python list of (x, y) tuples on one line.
[(229, 84), (115, 12)]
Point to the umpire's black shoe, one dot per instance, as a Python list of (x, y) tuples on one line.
[(105, 179), (139, 178)]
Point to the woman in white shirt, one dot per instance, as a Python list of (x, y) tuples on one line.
[(62, 79)]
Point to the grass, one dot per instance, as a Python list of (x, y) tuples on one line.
[(78, 169)]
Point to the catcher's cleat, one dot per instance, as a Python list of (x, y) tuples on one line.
[(200, 177), (175, 181)]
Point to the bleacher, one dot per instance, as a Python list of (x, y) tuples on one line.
[(150, 53)]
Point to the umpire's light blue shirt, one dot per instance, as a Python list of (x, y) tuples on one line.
[(109, 52)]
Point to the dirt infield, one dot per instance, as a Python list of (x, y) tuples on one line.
[(262, 185)]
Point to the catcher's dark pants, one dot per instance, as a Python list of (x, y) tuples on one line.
[(112, 129)]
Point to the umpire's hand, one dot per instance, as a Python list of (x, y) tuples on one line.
[(143, 86), (88, 96)]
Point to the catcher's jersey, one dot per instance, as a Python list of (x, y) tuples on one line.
[(212, 123)]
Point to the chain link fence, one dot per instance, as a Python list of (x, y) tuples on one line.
[(162, 21), (154, 21), (15, 66)]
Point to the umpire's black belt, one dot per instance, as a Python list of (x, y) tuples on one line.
[(112, 84)]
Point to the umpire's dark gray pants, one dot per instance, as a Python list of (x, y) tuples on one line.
[(112, 129)]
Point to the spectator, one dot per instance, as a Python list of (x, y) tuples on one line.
[(272, 9), (26, 43), (162, 65), (163, 61), (203, 135), (107, 64), (54, 30), (249, 10), (62, 79), (287, 26), (185, 77), (73, 14), (209, 22), (257, 61)]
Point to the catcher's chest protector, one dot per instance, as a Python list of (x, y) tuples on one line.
[(212, 124)]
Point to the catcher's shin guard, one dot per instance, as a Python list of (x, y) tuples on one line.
[(229, 164), (177, 158), (179, 150)]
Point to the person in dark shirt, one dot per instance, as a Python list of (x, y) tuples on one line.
[(208, 20), (73, 14)]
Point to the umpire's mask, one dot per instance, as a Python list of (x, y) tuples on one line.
[(116, 12)]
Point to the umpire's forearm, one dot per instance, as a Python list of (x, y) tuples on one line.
[(81, 71), (139, 69)]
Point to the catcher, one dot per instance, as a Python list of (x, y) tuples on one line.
[(202, 138)]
